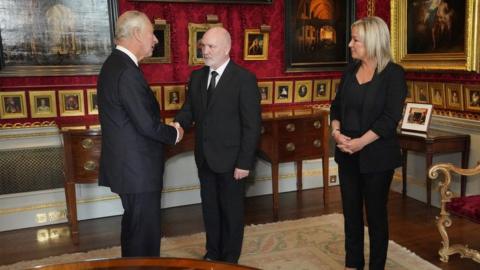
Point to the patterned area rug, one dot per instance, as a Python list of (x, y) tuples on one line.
[(315, 243)]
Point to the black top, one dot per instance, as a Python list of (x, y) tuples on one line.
[(354, 104)]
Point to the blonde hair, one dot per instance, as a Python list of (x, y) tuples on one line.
[(374, 34), (128, 22)]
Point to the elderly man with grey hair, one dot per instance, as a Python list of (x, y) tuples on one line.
[(133, 136)]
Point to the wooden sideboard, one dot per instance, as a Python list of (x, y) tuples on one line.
[(289, 134)]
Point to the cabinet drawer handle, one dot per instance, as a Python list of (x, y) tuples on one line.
[(290, 127), (317, 124), (87, 143), (290, 147), (90, 165), (262, 130), (317, 143)]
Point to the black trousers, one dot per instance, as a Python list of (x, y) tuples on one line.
[(141, 234), (223, 213), (372, 190)]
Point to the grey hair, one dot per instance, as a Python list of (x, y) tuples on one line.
[(374, 33), (128, 22)]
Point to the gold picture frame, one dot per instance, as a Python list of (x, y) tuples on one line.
[(266, 92), (303, 91), (321, 90), (43, 104), (195, 34), (420, 44), (92, 101), (174, 96), (454, 96), (472, 98), (13, 105), (161, 52), (157, 92), (334, 89), (420, 90), (437, 94), (283, 92), (410, 92), (71, 102), (255, 45)]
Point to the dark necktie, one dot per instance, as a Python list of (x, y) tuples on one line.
[(211, 86)]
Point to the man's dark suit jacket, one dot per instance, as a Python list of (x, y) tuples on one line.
[(381, 112), (132, 158), (228, 129)]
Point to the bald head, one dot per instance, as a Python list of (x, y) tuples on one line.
[(216, 45)]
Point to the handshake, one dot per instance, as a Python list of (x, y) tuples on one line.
[(179, 129)]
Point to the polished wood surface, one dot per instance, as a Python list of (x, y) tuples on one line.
[(147, 263), (431, 143), (411, 225), (288, 134)]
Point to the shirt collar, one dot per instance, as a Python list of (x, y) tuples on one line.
[(220, 69), (129, 53)]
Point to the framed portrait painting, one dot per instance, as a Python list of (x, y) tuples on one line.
[(71, 102), (435, 35), (174, 96), (454, 98), (195, 34), (161, 51), (92, 101), (472, 98), (321, 90), (283, 92), (437, 94), (303, 91), (43, 104), (335, 85), (417, 117), (421, 92), (410, 95), (52, 38), (266, 92), (317, 34), (12, 105), (212, 1), (255, 45)]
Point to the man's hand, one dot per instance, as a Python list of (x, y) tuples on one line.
[(238, 174), (179, 130)]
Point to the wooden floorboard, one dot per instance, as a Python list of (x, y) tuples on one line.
[(412, 225)]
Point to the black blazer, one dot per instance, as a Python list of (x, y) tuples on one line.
[(132, 158), (382, 110), (228, 129)]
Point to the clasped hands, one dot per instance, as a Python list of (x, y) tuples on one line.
[(179, 129), (347, 144)]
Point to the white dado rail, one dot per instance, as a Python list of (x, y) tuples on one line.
[(181, 187)]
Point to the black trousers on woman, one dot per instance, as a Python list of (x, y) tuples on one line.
[(372, 190)]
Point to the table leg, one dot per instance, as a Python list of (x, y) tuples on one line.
[(275, 190), (463, 178), (429, 158), (325, 168), (404, 172), (71, 202), (299, 165)]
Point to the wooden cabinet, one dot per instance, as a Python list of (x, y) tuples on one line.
[(288, 135)]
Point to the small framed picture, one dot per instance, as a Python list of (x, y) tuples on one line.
[(303, 91), (157, 92), (421, 92), (283, 92), (437, 94), (71, 102), (195, 34), (417, 117), (174, 96), (266, 92), (472, 98), (321, 90), (454, 98), (255, 45), (92, 102), (335, 85), (43, 104), (161, 51), (410, 95), (13, 105)]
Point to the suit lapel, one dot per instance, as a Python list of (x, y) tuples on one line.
[(222, 83)]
